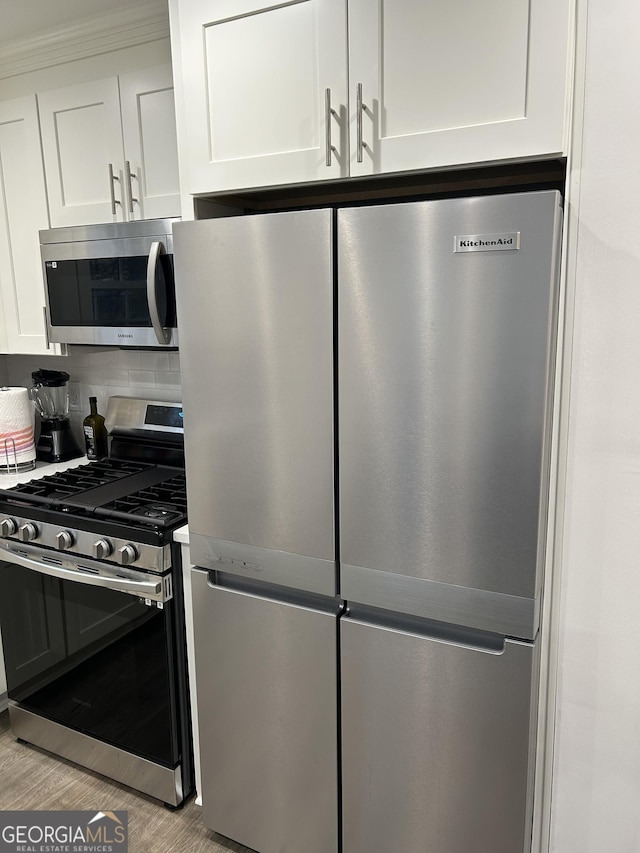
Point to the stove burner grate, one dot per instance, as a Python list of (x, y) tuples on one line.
[(56, 487), (160, 504)]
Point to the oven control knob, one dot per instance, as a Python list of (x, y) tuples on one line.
[(127, 555), (64, 540), (27, 532), (8, 527), (101, 549)]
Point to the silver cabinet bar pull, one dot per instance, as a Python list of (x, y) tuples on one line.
[(113, 178), (130, 176), (163, 335), (360, 107), (328, 112)]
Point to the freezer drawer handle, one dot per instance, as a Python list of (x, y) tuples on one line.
[(453, 635)]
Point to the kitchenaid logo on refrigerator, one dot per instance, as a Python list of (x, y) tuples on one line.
[(487, 242), (63, 832)]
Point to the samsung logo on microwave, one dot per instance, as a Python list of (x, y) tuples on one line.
[(121, 335), (487, 242)]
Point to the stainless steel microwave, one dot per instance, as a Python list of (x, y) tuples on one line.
[(111, 284)]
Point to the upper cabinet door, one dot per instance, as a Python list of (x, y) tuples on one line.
[(265, 91), (447, 83), (151, 150), (82, 144), (23, 211)]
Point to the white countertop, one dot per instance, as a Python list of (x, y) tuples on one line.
[(42, 469), (182, 534)]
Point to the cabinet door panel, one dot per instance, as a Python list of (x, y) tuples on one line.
[(23, 211), (93, 613), (32, 625), (81, 136), (149, 131), (255, 78), (464, 83)]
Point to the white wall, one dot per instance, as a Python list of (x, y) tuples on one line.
[(596, 783)]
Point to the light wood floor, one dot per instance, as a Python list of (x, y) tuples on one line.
[(32, 779)]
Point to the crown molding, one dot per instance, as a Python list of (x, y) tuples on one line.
[(115, 30)]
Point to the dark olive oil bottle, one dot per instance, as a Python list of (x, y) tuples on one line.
[(95, 432)]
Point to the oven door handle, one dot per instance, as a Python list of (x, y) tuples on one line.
[(163, 335), (145, 589)]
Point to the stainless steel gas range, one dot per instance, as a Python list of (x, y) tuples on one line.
[(91, 607)]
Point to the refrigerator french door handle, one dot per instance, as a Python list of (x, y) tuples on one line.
[(146, 589), (163, 335)]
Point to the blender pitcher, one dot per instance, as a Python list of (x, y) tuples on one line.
[(51, 398)]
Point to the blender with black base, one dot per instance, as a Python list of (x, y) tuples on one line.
[(51, 398)]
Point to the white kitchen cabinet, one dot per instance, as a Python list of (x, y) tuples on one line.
[(110, 149), (23, 211), (421, 84), (255, 77), (151, 149), (448, 83)]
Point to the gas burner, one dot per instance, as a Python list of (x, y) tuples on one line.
[(158, 511)]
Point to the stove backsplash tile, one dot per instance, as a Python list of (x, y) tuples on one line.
[(102, 372)]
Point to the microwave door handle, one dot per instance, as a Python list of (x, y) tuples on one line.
[(163, 335)]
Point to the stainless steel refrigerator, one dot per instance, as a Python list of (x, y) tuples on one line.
[(367, 396)]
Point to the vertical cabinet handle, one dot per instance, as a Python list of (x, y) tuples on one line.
[(113, 178), (360, 108), (130, 176), (163, 335), (328, 112)]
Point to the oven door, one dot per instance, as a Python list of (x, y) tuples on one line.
[(91, 658), (117, 292)]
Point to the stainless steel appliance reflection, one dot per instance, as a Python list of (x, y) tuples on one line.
[(92, 612), (368, 520)]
